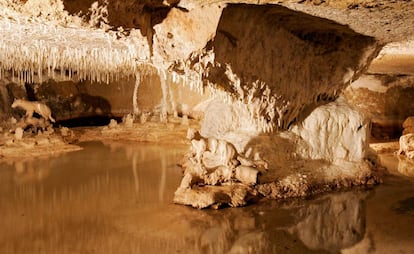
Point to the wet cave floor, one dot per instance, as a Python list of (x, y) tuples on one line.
[(115, 197)]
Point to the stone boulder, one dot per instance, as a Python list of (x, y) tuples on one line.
[(407, 145), (408, 125)]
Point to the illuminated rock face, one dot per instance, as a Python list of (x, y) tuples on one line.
[(304, 60), (407, 145), (334, 132), (385, 93)]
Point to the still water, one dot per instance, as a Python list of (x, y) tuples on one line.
[(116, 198)]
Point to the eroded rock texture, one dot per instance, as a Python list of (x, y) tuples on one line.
[(307, 160), (385, 92), (304, 60)]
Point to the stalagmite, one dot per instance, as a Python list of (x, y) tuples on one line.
[(128, 120), (143, 118), (135, 95), (85, 53)]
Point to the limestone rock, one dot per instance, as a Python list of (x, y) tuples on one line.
[(113, 124), (213, 176), (18, 134), (234, 195), (408, 125), (407, 145), (128, 121), (406, 166), (247, 175), (285, 34), (333, 132)]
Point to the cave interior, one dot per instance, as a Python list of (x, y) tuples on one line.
[(275, 107)]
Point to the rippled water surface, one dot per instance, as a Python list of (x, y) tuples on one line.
[(116, 198)]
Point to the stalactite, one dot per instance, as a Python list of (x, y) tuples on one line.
[(34, 49)]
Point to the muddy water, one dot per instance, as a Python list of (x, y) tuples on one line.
[(116, 198)]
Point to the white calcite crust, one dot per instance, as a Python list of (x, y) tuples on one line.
[(334, 132)]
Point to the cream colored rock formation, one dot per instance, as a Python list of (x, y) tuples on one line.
[(407, 145), (328, 150), (408, 125), (407, 139), (334, 132)]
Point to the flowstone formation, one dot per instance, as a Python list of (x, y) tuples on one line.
[(215, 174), (327, 151), (269, 80)]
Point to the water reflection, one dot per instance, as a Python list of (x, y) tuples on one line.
[(405, 166), (405, 206), (333, 223), (116, 198), (398, 164), (26, 172)]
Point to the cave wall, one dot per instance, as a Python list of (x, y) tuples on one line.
[(127, 14), (385, 93), (386, 99), (85, 99)]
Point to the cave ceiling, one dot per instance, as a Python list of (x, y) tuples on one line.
[(386, 20)]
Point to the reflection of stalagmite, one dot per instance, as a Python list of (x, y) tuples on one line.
[(406, 166), (332, 223), (163, 178), (134, 170), (255, 240), (27, 172)]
